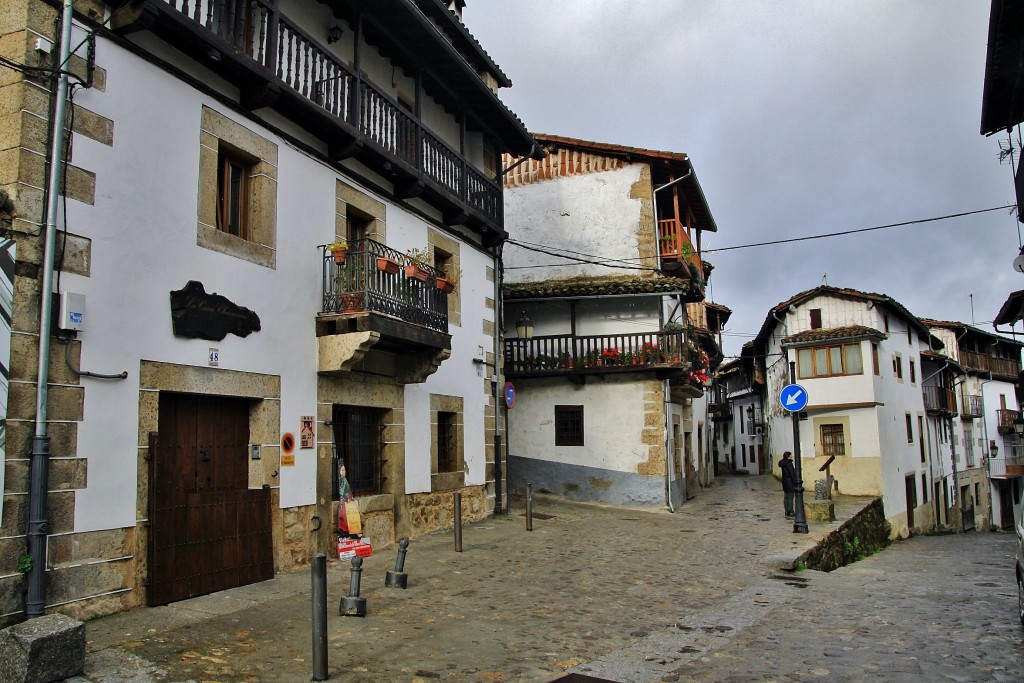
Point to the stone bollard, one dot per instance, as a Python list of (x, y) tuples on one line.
[(398, 578), (352, 605), (47, 648)]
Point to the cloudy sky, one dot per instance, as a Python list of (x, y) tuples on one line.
[(801, 118)]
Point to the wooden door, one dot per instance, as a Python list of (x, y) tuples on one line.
[(208, 530), (911, 486)]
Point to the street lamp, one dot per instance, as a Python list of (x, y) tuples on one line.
[(524, 327), (1018, 425)]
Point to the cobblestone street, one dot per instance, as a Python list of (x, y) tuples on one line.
[(614, 593)]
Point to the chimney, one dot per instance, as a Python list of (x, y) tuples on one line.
[(456, 6)]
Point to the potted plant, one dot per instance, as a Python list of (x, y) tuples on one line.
[(416, 264), (446, 283), (387, 264), (338, 249)]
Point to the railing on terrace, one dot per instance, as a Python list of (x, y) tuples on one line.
[(939, 399), (1000, 367), (673, 244), (373, 278), (1006, 418), (973, 406), (561, 353), (257, 28), (1005, 367)]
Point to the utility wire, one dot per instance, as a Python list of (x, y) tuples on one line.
[(851, 232)]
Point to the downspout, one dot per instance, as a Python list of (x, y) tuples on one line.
[(666, 388), (499, 405), (38, 524)]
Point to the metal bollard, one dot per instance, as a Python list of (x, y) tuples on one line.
[(458, 522), (398, 578), (352, 605), (319, 591), (529, 507)]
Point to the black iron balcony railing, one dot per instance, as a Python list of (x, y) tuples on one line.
[(565, 353), (939, 399), (257, 29), (376, 278)]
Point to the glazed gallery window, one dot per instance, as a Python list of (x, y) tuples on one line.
[(568, 425), (829, 361), (833, 441)]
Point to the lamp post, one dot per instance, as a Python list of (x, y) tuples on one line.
[(524, 327), (1018, 426)]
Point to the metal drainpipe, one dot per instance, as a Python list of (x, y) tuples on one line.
[(38, 524), (498, 402)]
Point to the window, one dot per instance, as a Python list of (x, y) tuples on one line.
[(910, 335), (357, 441), (920, 440), (969, 446), (233, 172), (447, 442), (913, 373), (924, 487), (237, 207), (743, 452), (815, 318), (829, 361), (897, 366), (568, 425), (874, 358), (357, 226), (910, 429), (885, 322), (833, 441)]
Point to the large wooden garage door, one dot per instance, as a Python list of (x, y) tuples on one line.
[(208, 530)]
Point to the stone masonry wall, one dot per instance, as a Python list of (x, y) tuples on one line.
[(865, 533)]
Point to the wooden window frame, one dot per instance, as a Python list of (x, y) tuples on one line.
[(829, 444), (910, 428), (569, 425), (802, 371), (227, 209), (874, 358), (815, 314), (447, 442)]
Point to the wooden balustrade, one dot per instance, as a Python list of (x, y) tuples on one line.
[(555, 354)]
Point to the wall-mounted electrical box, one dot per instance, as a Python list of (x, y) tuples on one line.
[(72, 311)]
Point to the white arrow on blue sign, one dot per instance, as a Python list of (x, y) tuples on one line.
[(793, 398)]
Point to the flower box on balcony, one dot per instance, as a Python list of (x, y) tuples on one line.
[(414, 271), (389, 266), (339, 250), (445, 285)]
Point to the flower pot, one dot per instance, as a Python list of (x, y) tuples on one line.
[(415, 272), (444, 285), (339, 254), (387, 265)]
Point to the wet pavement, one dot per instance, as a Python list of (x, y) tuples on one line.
[(608, 592)]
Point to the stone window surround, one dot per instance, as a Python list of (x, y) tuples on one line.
[(844, 422), (447, 481), (216, 130)]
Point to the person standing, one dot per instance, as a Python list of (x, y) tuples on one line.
[(788, 482)]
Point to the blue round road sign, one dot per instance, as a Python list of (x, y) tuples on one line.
[(510, 395), (793, 398)]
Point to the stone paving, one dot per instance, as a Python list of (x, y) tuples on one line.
[(614, 593)]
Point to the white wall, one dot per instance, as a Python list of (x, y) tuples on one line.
[(591, 213), (143, 232)]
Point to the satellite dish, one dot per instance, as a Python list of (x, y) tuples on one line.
[(1018, 263)]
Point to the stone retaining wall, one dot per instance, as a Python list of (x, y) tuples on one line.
[(867, 532)]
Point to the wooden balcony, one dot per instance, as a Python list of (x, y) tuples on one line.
[(667, 355), (1006, 418), (1001, 368), (381, 299), (675, 249), (972, 406), (274, 63), (939, 400)]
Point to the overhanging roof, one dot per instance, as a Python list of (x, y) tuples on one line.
[(1002, 104)]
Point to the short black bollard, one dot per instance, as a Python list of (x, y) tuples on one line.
[(458, 522), (529, 507), (352, 605), (398, 578), (319, 590)]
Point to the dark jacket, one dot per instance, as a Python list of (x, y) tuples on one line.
[(788, 475)]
